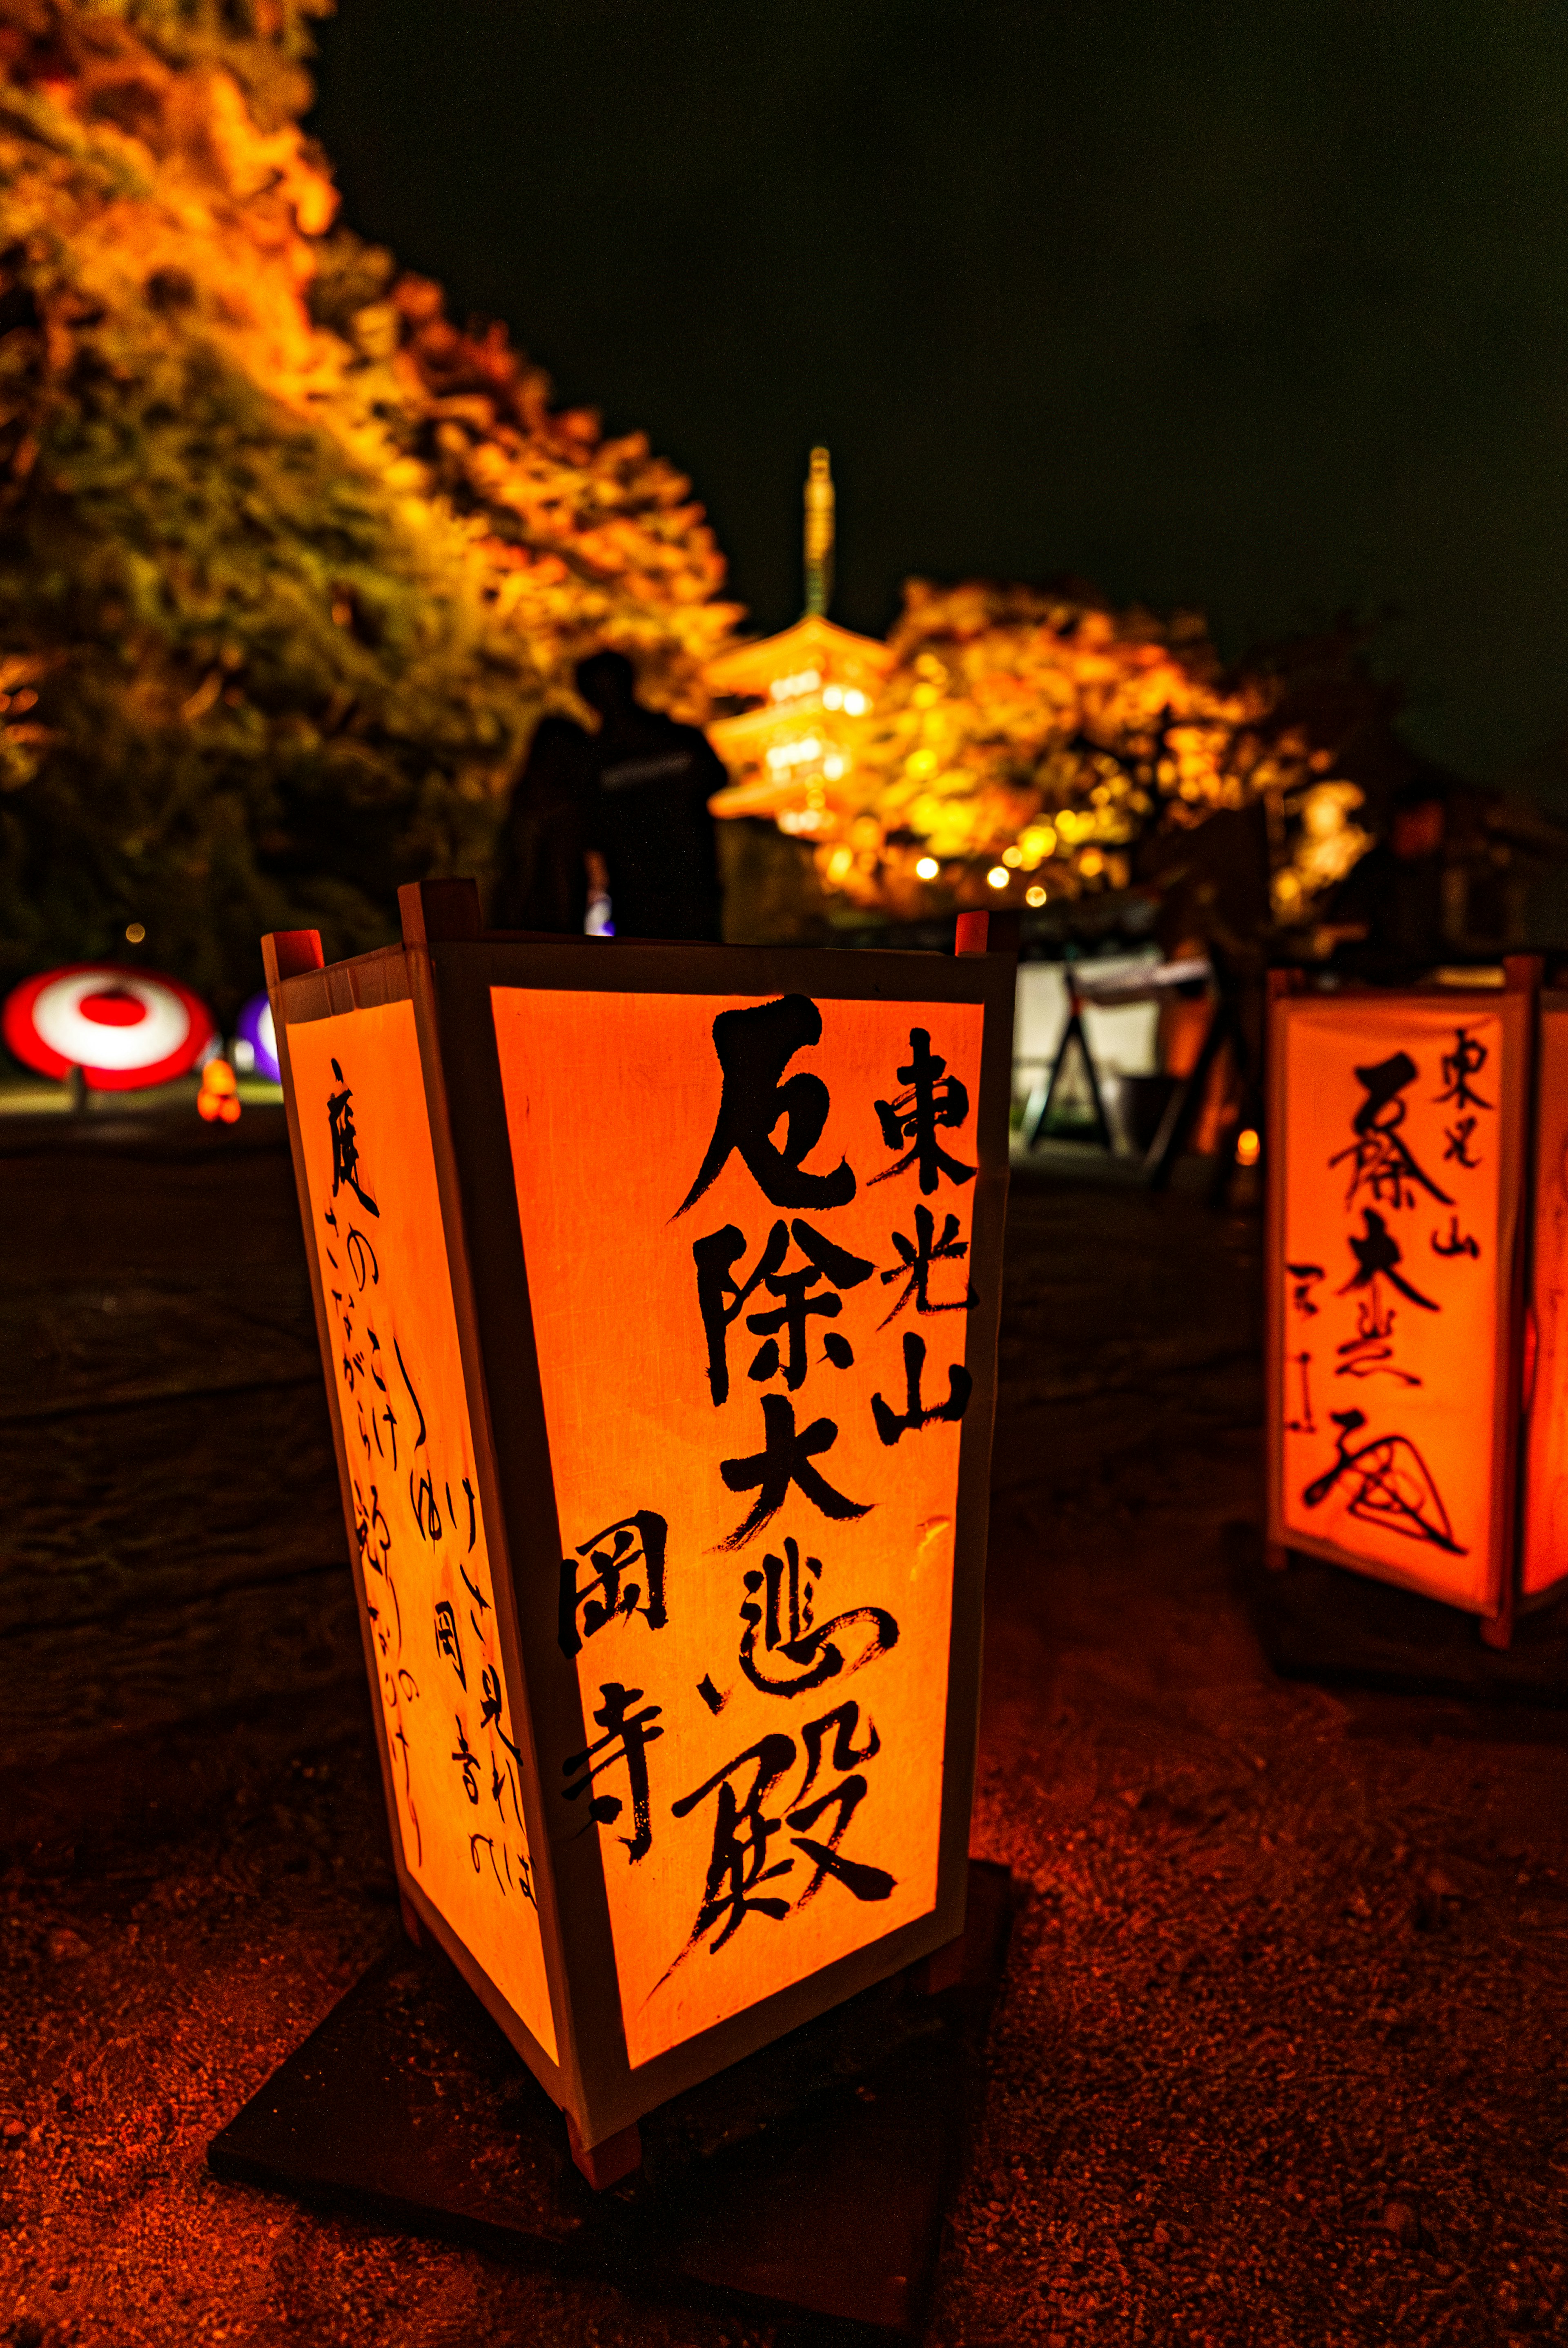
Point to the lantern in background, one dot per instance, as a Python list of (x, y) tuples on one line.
[(658, 1292), (255, 1043), (218, 1102), (1544, 1563), (1414, 1252), (125, 1029)]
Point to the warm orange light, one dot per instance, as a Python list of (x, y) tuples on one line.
[(999, 876), (1014, 724), (639, 1419), (220, 1094), (927, 868), (1546, 1366), (808, 682), (1397, 1228), (1248, 1148), (1035, 896), (453, 1725)]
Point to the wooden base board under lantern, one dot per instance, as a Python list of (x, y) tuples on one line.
[(811, 2180)]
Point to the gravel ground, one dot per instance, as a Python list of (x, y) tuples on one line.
[(1278, 2058)]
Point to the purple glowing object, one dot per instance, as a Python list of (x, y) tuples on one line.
[(254, 1033)]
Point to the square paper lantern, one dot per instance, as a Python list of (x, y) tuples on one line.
[(1544, 1561), (658, 1291), (1396, 1261)]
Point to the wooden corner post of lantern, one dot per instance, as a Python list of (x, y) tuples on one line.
[(657, 1288), (1417, 1232)]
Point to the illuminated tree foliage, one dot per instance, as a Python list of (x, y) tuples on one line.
[(1044, 737), (289, 565)]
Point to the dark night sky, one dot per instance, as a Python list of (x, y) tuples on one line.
[(1260, 305)]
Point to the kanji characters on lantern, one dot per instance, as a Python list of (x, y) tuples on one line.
[(658, 1289)]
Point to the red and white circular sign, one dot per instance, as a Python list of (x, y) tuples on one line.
[(123, 1028)]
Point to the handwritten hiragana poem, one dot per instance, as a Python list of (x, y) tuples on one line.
[(1397, 1231), (419, 1524), (746, 1225)]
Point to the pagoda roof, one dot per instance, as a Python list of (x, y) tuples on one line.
[(768, 795), (812, 643), (752, 732)]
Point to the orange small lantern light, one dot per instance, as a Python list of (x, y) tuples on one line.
[(658, 1291), (218, 1098), (1408, 1229)]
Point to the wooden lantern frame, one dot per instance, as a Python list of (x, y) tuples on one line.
[(446, 966), (1527, 1014)]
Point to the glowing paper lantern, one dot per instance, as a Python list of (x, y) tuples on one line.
[(1399, 1210), (253, 1033), (218, 1102), (658, 1291), (1544, 1562), (123, 1028)]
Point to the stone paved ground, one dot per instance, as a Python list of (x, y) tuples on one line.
[(1279, 2057)]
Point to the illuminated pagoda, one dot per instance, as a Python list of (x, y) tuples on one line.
[(791, 746)]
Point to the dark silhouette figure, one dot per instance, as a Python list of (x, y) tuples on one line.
[(626, 808), (648, 815), (542, 880), (1394, 895)]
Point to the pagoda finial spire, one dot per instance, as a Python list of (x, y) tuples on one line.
[(819, 536)]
